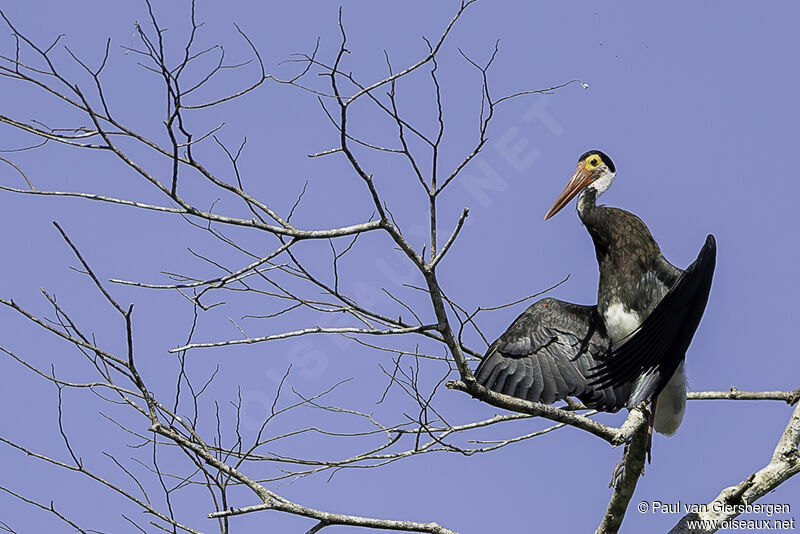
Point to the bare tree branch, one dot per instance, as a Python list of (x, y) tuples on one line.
[(185, 438), (632, 467), (733, 501)]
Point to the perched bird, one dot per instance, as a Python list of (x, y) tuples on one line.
[(630, 347)]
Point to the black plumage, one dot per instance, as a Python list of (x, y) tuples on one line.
[(626, 349), (654, 352), (548, 352)]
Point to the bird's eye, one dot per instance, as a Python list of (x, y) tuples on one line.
[(593, 162)]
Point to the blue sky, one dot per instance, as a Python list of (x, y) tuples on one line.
[(695, 103)]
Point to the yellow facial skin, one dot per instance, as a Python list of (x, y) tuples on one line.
[(592, 162)]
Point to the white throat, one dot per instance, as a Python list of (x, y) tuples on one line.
[(599, 186)]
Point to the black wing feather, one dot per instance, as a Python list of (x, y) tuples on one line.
[(658, 346), (545, 356)]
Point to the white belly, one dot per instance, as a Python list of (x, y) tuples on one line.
[(620, 321), (671, 404)]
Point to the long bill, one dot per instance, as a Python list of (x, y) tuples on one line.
[(579, 180)]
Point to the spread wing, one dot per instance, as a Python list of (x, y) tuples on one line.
[(546, 355), (652, 354)]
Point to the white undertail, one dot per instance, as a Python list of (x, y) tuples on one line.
[(671, 404)]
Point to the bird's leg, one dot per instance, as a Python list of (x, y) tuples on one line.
[(649, 447), (619, 469)]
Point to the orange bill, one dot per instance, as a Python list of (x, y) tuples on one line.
[(579, 180)]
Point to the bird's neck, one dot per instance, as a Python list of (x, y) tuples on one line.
[(587, 201)]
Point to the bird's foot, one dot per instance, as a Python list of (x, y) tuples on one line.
[(619, 469)]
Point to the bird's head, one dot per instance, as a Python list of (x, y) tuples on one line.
[(595, 170)]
